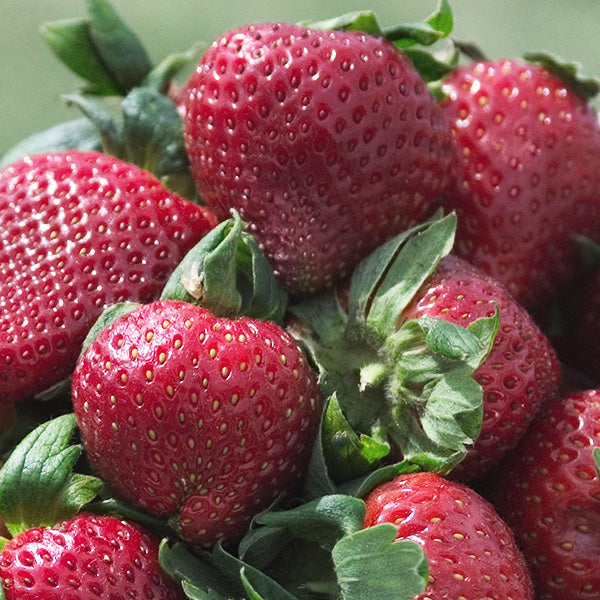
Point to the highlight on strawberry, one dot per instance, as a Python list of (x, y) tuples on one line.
[(241, 354)]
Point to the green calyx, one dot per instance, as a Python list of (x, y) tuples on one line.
[(568, 72), (148, 133), (414, 39), (227, 273), (397, 390)]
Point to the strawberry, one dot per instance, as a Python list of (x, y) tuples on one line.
[(202, 419), (86, 557), (527, 176), (326, 142), (470, 551), (79, 231), (548, 492), (521, 371)]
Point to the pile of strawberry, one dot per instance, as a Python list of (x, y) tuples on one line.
[(321, 322)]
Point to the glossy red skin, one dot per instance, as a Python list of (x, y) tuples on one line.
[(549, 493), (327, 143), (87, 557), (527, 176), (470, 551), (79, 231), (520, 373), (196, 424)]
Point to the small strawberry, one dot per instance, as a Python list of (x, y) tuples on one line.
[(79, 231), (527, 176), (470, 551), (86, 557), (521, 371), (202, 419), (548, 491), (326, 142)]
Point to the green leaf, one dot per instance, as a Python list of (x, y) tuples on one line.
[(195, 573), (70, 40), (79, 134), (108, 128), (403, 272), (596, 455), (262, 584), (363, 486), (227, 273), (347, 453), (436, 406), (261, 545), (117, 46), (108, 316), (163, 74), (569, 72), (37, 485), (324, 520), (371, 565), (154, 139), (317, 481), (364, 20), (430, 66), (442, 19)]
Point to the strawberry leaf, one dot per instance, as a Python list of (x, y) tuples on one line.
[(436, 408), (70, 40), (108, 316), (117, 46), (79, 134), (387, 280), (37, 485), (354, 21), (596, 455), (227, 273), (164, 72), (261, 584), (154, 140), (199, 576), (432, 67), (347, 453), (588, 87), (371, 565), (363, 486)]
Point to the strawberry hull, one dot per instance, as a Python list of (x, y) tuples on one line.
[(80, 231)]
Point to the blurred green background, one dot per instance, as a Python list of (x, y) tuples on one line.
[(31, 78)]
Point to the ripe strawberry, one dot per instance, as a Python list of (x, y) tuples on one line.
[(206, 420), (85, 557), (470, 551), (548, 493), (527, 176), (326, 142), (78, 231), (520, 372)]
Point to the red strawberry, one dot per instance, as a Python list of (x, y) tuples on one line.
[(520, 372), (527, 173), (326, 142), (79, 231), (470, 551), (548, 491), (206, 420), (85, 557)]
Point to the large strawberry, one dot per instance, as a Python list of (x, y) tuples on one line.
[(79, 231), (202, 419), (521, 371), (527, 173), (548, 491), (327, 142), (86, 557), (470, 551)]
